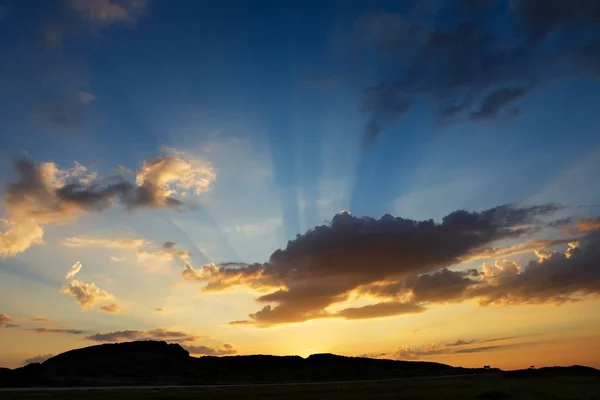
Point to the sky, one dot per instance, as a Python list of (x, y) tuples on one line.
[(410, 180)]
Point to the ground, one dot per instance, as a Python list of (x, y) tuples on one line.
[(477, 388)]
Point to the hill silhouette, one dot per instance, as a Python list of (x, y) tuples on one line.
[(161, 363)]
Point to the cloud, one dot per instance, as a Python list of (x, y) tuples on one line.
[(496, 101), (6, 321), (454, 61), (87, 295), (162, 177), (406, 353), (39, 318), (460, 342), (133, 334), (103, 13), (329, 263), (111, 308), (45, 194), (587, 225), (84, 97), (220, 350), (519, 248), (62, 115), (124, 243), (373, 355), (57, 330), (165, 253), (553, 278), (73, 270), (38, 359), (380, 310), (145, 249)]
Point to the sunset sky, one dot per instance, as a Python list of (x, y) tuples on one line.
[(397, 179)]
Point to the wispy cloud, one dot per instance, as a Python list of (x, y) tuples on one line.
[(57, 330), (211, 350), (133, 334), (39, 318), (73, 270), (124, 243), (111, 308), (6, 321), (38, 359), (103, 13)]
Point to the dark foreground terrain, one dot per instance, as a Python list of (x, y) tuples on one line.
[(494, 387), (120, 371)]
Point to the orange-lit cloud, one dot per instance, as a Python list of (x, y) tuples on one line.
[(6, 321), (87, 295), (145, 250), (210, 350), (404, 262), (111, 308), (587, 225), (45, 194)]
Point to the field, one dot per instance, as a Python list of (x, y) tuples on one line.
[(476, 388)]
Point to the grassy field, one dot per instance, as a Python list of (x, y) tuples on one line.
[(477, 388)]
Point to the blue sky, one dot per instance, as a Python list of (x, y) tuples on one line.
[(279, 98)]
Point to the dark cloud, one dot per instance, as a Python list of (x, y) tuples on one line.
[(38, 359), (57, 330), (454, 59), (379, 310), (541, 17), (133, 334), (388, 257), (220, 350), (554, 278), (406, 353), (460, 342), (497, 100)]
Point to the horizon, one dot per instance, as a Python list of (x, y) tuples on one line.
[(412, 180)]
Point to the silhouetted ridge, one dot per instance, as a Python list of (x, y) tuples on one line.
[(160, 363)]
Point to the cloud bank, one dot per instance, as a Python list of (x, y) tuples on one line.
[(403, 265), (454, 59)]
